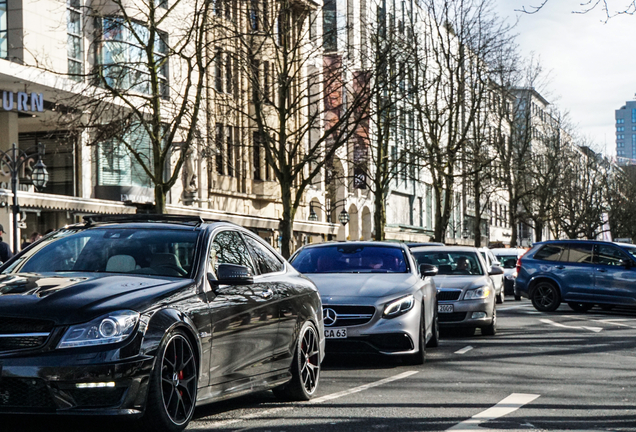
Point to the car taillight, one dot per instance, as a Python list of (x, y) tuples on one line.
[(519, 262)]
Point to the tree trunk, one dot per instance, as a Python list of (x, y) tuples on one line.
[(512, 216), (287, 222), (538, 230), (477, 228), (379, 215), (160, 199)]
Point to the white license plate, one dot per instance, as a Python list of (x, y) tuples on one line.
[(336, 333), (445, 308)]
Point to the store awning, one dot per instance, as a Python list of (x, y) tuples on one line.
[(42, 201)]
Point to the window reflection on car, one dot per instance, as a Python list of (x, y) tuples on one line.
[(452, 263), (351, 259)]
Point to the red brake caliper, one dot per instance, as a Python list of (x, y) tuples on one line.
[(180, 375)]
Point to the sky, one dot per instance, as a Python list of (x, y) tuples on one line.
[(591, 63)]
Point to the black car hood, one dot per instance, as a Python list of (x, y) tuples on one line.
[(79, 297)]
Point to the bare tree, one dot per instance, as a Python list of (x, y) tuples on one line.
[(301, 107), (453, 54), (140, 98), (586, 6)]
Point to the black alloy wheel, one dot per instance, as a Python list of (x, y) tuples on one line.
[(580, 307), (546, 297), (173, 385), (305, 368), (491, 329), (434, 340)]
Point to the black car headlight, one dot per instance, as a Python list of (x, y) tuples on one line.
[(398, 307), (111, 328)]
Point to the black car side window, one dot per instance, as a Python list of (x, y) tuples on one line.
[(580, 253), (551, 252), (608, 255), (228, 248), (264, 259)]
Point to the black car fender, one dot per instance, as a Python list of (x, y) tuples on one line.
[(162, 322)]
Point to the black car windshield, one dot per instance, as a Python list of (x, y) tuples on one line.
[(351, 258), (165, 252), (451, 263), (507, 261), (630, 250)]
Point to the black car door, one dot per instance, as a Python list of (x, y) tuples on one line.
[(273, 274), (243, 325)]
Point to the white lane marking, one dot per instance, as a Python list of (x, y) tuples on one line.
[(504, 407), (506, 308), (604, 321), (556, 324), (464, 350), (362, 387), (262, 414)]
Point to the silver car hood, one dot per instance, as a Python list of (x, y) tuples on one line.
[(460, 282), (371, 285)]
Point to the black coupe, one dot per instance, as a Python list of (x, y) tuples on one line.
[(149, 316)]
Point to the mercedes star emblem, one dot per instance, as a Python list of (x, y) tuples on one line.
[(329, 316)]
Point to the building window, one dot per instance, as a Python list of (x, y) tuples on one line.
[(619, 121), (620, 136), (229, 152), (429, 207), (633, 115), (329, 26), (633, 141), (620, 129), (622, 144), (74, 49), (220, 156), (256, 153), (124, 61), (3, 29), (116, 165)]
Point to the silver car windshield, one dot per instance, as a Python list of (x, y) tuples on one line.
[(507, 261), (451, 263), (351, 258)]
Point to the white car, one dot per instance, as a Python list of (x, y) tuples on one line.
[(508, 259), (497, 279)]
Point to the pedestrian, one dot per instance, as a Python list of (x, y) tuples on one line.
[(35, 236), (5, 250)]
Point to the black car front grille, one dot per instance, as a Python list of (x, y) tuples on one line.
[(10, 325), (451, 317), (24, 393), (347, 316), (448, 295), (23, 333), (98, 398)]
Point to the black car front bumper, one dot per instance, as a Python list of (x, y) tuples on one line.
[(74, 384)]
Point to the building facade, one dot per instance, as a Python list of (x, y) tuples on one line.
[(626, 133)]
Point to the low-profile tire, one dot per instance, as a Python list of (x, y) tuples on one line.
[(305, 368), (491, 329), (580, 307), (546, 297), (434, 340), (419, 357), (172, 392), (607, 307)]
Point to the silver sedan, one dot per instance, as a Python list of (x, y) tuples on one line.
[(375, 298), (465, 292)]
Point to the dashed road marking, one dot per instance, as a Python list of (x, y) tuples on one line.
[(464, 350), (556, 324), (504, 407), (263, 414), (612, 321)]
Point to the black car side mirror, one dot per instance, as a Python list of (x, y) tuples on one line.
[(628, 263), (232, 274), (428, 270), (495, 270)]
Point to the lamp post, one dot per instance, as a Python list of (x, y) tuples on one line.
[(343, 217), (14, 160)]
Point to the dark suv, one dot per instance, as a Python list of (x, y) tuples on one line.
[(580, 272), (149, 315)]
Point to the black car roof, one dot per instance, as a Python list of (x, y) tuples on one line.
[(363, 243), (149, 221)]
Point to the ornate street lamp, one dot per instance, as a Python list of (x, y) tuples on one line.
[(313, 217), (343, 217), (13, 161)]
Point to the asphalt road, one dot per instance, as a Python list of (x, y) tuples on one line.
[(541, 372)]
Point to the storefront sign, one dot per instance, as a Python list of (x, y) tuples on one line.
[(22, 101)]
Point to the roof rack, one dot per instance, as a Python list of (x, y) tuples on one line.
[(141, 217)]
